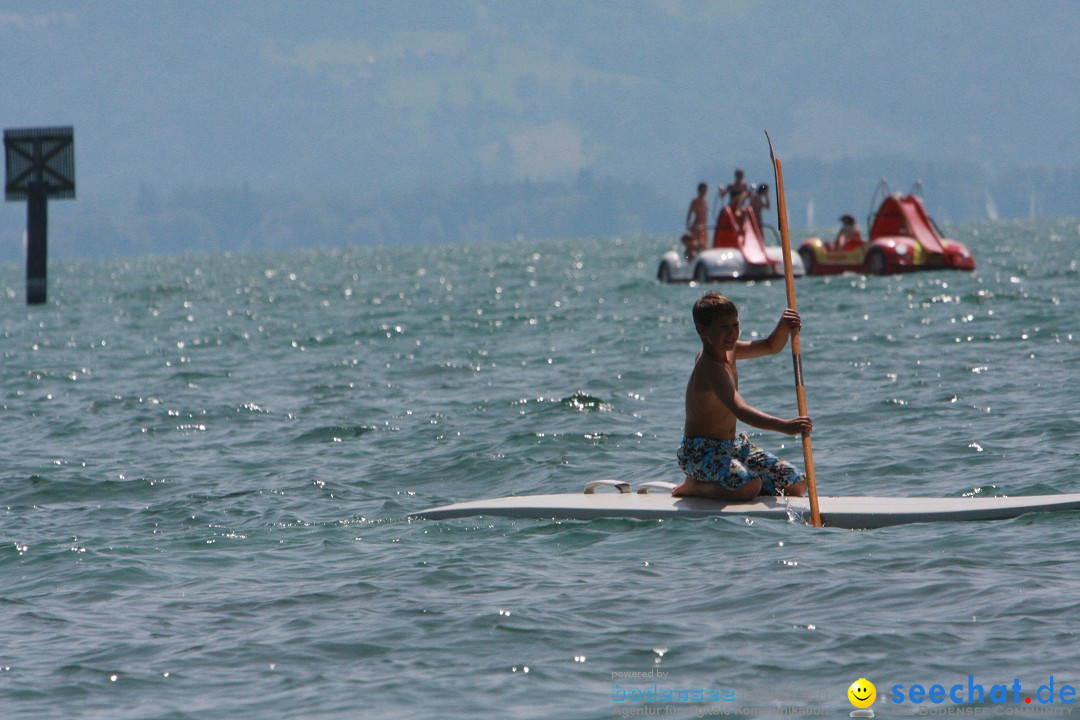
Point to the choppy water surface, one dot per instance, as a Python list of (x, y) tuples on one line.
[(209, 461)]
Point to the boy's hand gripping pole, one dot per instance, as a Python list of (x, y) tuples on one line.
[(789, 280)]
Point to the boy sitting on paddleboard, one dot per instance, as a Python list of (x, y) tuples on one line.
[(717, 463)]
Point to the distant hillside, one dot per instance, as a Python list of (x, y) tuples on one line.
[(425, 95)]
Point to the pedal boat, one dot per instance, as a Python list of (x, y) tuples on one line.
[(903, 238), (738, 252)]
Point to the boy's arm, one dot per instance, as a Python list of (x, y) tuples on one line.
[(750, 415), (789, 324)]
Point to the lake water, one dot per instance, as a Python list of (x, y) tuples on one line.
[(209, 461)]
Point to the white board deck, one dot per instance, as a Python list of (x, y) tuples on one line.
[(850, 512)]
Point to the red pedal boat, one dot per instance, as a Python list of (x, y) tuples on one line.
[(903, 238)]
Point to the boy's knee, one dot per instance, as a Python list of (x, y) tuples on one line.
[(748, 490), (797, 489)]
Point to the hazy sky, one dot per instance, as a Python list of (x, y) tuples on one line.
[(312, 96)]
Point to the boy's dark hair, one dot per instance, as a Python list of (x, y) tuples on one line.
[(711, 306)]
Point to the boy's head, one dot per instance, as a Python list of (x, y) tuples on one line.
[(711, 307)]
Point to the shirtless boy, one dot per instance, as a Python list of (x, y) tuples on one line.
[(849, 236), (697, 218), (759, 203), (716, 462), (737, 191)]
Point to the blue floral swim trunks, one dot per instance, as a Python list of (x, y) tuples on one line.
[(733, 463)]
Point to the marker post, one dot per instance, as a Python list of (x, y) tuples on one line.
[(40, 164)]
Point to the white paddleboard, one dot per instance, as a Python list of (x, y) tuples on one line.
[(850, 512)]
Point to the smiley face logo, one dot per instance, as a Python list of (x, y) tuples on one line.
[(862, 693)]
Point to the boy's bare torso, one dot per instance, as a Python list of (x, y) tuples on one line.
[(706, 415)]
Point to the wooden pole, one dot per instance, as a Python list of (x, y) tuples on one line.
[(796, 354)]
